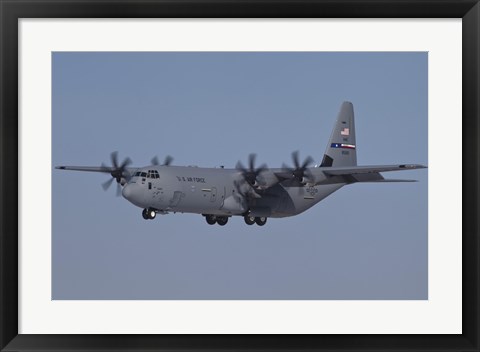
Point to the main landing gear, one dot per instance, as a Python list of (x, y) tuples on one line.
[(250, 220), (222, 220), (213, 219), (149, 214)]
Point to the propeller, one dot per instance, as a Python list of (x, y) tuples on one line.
[(117, 171), (250, 175), (168, 160), (299, 172)]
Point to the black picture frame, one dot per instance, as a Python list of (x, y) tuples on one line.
[(12, 10)]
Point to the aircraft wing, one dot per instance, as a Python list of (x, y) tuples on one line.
[(348, 174), (351, 170), (104, 169)]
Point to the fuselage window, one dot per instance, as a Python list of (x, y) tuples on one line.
[(143, 174)]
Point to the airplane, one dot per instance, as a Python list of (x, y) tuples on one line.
[(254, 193)]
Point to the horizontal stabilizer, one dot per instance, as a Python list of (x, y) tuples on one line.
[(353, 174), (351, 170)]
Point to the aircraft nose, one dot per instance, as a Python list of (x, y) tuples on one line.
[(127, 191), (134, 194)]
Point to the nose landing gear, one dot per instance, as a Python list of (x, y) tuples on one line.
[(149, 214)]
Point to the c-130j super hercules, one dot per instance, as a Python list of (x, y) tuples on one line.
[(255, 193)]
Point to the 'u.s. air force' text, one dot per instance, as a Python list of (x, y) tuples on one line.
[(191, 179)]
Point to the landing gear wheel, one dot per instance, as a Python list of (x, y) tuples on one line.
[(222, 220), (249, 220), (151, 214), (211, 219), (262, 220)]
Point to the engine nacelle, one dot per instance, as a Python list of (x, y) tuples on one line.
[(317, 177), (266, 179), (234, 205)]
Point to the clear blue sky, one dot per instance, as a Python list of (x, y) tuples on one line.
[(366, 241)]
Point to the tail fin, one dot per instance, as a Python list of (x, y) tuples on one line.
[(341, 148)]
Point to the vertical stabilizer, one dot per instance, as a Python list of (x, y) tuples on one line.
[(341, 148)]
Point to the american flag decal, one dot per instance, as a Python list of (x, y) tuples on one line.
[(345, 132), (342, 145)]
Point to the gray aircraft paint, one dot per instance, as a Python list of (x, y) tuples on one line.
[(276, 193), (178, 190), (343, 133)]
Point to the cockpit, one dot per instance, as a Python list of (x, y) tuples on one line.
[(149, 174)]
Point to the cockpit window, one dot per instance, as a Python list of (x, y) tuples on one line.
[(153, 174), (149, 174)]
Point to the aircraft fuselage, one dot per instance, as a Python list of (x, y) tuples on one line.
[(216, 191)]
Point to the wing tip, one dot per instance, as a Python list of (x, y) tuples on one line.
[(412, 166)]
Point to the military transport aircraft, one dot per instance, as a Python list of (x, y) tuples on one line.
[(255, 193)]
